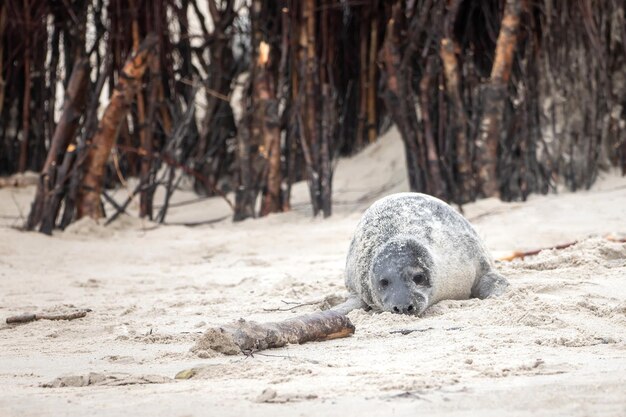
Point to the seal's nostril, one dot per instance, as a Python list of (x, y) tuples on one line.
[(396, 309), (410, 308)]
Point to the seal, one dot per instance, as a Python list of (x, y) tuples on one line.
[(412, 250)]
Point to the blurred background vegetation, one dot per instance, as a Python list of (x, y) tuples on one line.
[(491, 98)]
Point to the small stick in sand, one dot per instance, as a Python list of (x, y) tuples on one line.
[(28, 317), (523, 254), (248, 337), (404, 332)]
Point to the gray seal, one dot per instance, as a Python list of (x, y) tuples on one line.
[(411, 251)]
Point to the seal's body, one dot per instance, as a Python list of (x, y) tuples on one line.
[(412, 250)]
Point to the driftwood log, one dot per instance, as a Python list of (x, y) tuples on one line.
[(28, 317), (248, 337)]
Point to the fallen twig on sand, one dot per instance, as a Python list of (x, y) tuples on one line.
[(248, 337), (404, 332), (28, 317), (293, 307), (522, 254), (325, 303)]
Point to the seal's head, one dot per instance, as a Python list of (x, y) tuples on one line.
[(400, 276)]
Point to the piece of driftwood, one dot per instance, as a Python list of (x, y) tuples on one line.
[(248, 337), (28, 317)]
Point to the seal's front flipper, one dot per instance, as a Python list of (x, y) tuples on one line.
[(352, 303), (491, 284)]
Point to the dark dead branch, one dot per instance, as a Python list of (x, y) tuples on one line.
[(43, 210)]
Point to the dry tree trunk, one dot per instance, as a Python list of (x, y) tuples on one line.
[(458, 120), (315, 105), (325, 168), (436, 186), (363, 77), (146, 196), (283, 97), (145, 149), (265, 99), (311, 93), (327, 106), (101, 144), (250, 131), (244, 201), (3, 21), (457, 117), (372, 128), (397, 94), (43, 211), (148, 168), (494, 99), (210, 156), (23, 162), (249, 337)]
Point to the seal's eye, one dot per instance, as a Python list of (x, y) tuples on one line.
[(384, 283), (420, 279)]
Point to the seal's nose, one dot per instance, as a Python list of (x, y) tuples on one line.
[(407, 309)]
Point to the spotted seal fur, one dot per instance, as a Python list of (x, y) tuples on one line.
[(411, 251)]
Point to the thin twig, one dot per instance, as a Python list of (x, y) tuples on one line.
[(404, 332)]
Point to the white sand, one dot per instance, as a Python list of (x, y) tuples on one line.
[(554, 345)]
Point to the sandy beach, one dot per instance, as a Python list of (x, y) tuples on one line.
[(555, 344)]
